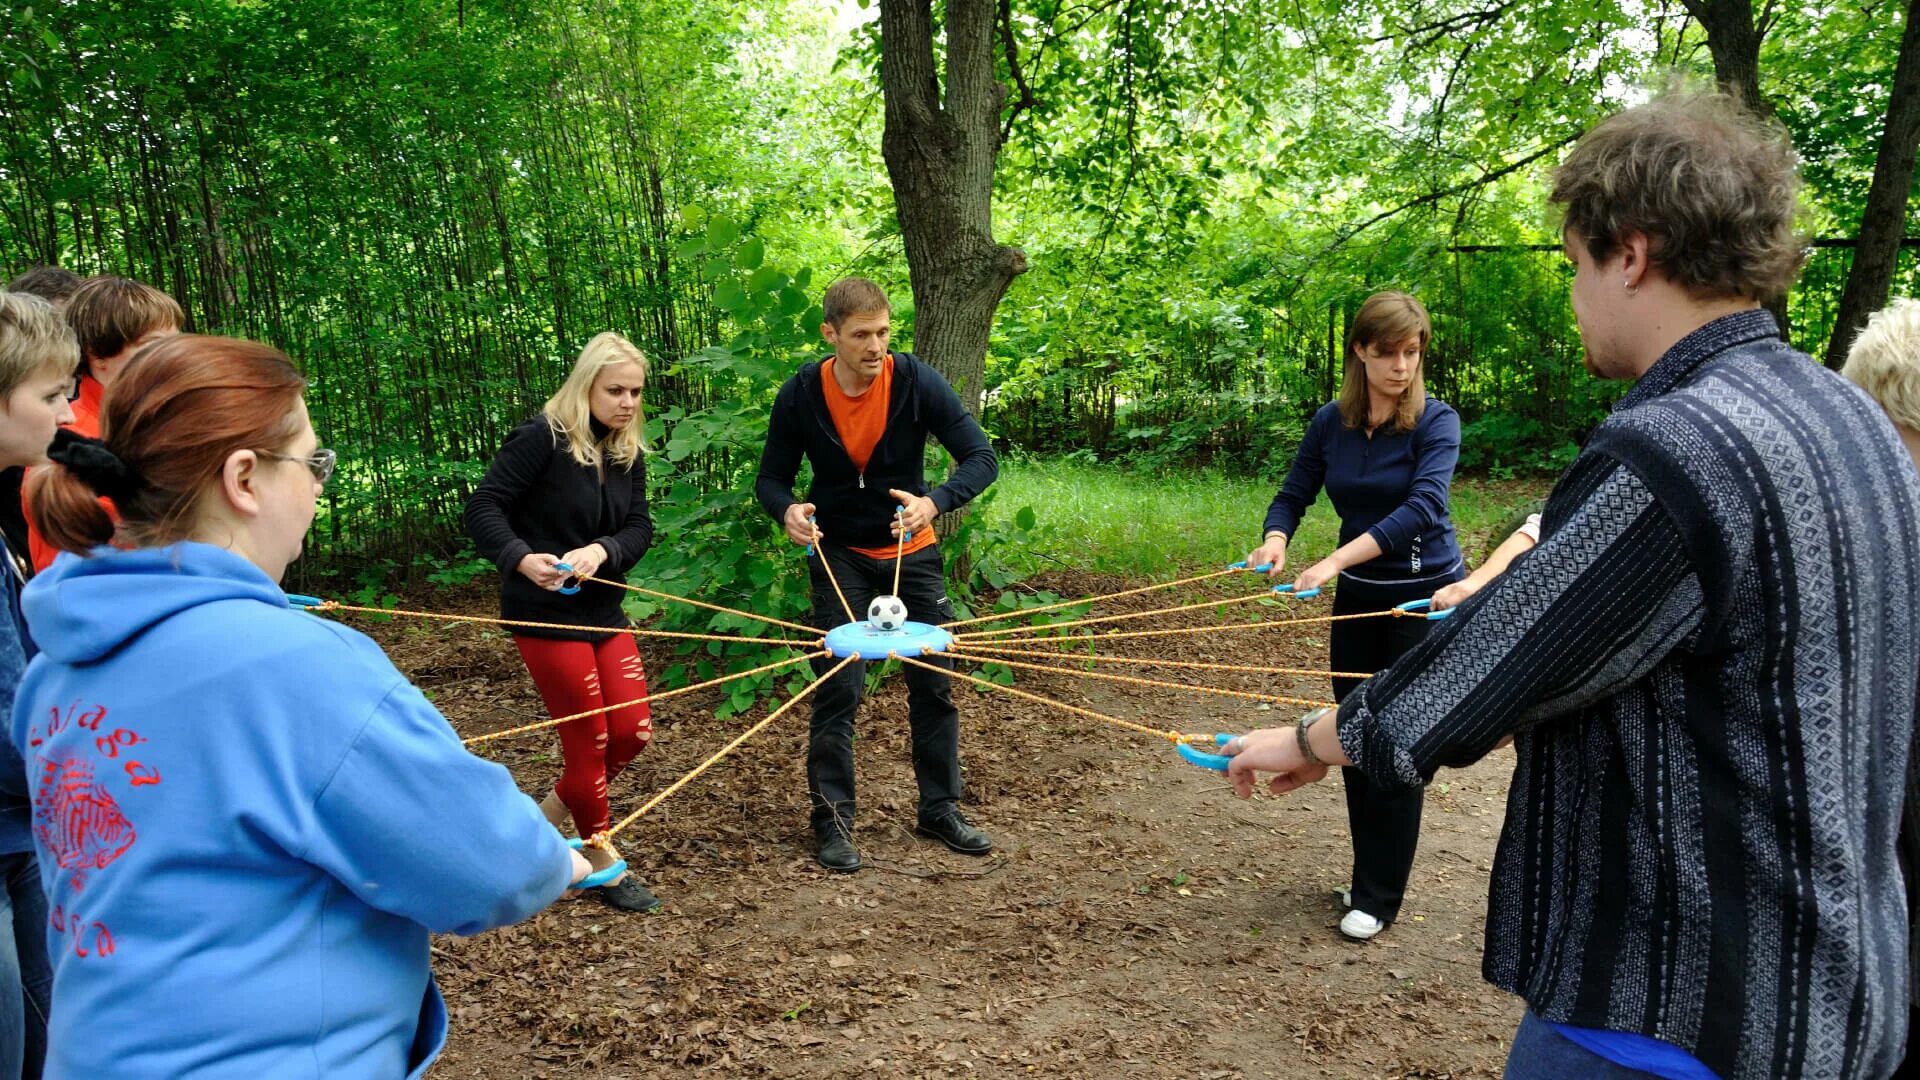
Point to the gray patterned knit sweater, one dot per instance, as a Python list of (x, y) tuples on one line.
[(1712, 664)]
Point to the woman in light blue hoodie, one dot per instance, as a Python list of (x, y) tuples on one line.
[(247, 821)]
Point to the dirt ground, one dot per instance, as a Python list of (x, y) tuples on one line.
[(1134, 919)]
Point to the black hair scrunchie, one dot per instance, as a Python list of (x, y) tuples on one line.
[(96, 466)]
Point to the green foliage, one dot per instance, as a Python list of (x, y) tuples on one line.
[(1140, 523), (1505, 444), (713, 542), (464, 567), (1160, 525)]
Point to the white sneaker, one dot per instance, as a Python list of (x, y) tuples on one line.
[(1360, 926)]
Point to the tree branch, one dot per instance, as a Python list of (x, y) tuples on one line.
[(1440, 108), (1440, 28), (907, 69), (974, 91), (1432, 197), (1025, 100)]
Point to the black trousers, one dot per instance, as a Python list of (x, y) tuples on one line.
[(931, 716), (1385, 824)]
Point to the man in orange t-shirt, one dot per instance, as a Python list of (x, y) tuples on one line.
[(113, 318), (862, 418)]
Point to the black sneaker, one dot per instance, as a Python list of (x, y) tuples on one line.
[(953, 830), (837, 853), (628, 894)]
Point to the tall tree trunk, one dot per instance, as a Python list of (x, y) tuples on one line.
[(1883, 223), (940, 157), (1734, 37)]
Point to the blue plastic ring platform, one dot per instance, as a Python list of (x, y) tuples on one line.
[(863, 640), (1215, 762), (598, 877), (567, 590), (1416, 607)]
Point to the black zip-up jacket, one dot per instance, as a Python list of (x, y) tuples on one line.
[(535, 497), (851, 506)]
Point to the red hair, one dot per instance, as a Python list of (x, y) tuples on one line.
[(172, 419)]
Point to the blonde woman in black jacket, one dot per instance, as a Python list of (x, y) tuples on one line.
[(569, 487)]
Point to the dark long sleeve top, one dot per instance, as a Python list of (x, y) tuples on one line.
[(1711, 662), (852, 505), (16, 648), (1392, 485), (537, 498)]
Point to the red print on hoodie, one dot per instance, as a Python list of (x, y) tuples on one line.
[(76, 818)]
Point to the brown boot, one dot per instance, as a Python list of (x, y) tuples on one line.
[(556, 812)]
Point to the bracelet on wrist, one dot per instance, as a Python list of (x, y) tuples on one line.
[(1300, 735)]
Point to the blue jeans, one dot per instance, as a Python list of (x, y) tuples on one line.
[(26, 975), (1541, 1053)]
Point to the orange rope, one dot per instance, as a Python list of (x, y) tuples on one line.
[(334, 605), (1136, 680), (1114, 635), (976, 635), (1200, 665), (698, 603), (1024, 612), (602, 839), (660, 696), (899, 549), (1170, 736), (820, 549)]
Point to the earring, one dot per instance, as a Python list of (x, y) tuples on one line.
[(1632, 289)]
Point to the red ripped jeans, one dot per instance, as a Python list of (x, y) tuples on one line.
[(573, 677)]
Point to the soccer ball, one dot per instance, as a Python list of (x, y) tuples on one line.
[(887, 613)]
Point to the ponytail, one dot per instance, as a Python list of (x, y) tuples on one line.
[(68, 512)]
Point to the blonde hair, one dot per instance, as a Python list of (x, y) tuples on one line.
[(33, 339), (1885, 361), (570, 409), (1386, 319)]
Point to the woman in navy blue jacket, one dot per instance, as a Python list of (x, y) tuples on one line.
[(1385, 453)]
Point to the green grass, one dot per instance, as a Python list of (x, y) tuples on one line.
[(1114, 520)]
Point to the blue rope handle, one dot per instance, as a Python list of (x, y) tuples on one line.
[(1263, 568), (598, 877), (901, 511), (567, 590), (1418, 606), (1214, 762), (810, 522), (301, 600)]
